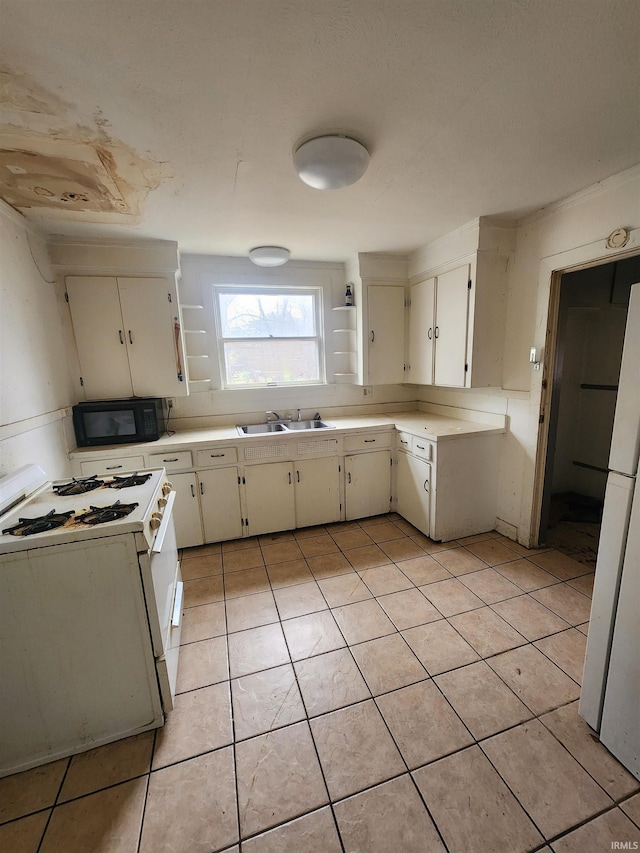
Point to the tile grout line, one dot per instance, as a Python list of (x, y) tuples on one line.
[(375, 598)]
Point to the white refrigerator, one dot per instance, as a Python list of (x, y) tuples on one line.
[(610, 697)]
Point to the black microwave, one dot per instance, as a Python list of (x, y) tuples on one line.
[(119, 421)]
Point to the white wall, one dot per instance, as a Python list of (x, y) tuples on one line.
[(563, 236), (215, 405), (35, 388)]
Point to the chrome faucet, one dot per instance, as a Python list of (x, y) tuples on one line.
[(276, 416)]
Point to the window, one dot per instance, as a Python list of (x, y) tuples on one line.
[(269, 335)]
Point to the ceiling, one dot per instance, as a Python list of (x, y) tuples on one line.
[(177, 119)]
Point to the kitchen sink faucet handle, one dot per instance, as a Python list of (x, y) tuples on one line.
[(317, 417)]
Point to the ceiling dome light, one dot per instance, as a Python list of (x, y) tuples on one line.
[(269, 256), (331, 162)]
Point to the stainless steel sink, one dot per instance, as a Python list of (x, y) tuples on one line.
[(260, 429), (299, 425), (290, 426)]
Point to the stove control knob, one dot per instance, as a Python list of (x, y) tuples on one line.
[(155, 520), (162, 502), (167, 488)]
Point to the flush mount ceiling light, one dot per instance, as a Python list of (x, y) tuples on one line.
[(269, 256), (331, 162)]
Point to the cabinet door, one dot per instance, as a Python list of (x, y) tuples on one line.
[(386, 334), (220, 503), (368, 484), (150, 337), (100, 336), (186, 510), (317, 491), (452, 313), (414, 489), (270, 500), (421, 325)]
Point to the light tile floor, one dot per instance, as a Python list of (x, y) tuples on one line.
[(354, 688)]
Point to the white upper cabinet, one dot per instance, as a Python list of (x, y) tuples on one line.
[(458, 306), (127, 336), (385, 334), (100, 337), (421, 325), (450, 331), (438, 324)]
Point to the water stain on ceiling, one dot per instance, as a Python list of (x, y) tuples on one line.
[(55, 167)]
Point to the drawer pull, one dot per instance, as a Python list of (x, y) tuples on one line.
[(193, 491), (217, 455), (402, 441), (420, 447), (425, 486), (369, 440), (175, 459), (113, 467)]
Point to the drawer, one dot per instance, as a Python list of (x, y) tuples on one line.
[(371, 441), (112, 466), (422, 448), (405, 441), (171, 461), (216, 456)]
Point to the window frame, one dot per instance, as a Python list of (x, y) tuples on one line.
[(271, 290)]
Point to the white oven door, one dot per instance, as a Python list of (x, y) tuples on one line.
[(164, 603)]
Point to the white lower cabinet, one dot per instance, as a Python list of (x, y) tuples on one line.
[(270, 497), (317, 491), (207, 507), (220, 504), (284, 495), (413, 489), (186, 510), (367, 484)]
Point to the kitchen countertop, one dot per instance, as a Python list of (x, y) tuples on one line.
[(434, 427)]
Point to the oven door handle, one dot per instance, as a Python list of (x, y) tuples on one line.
[(176, 619), (166, 520)]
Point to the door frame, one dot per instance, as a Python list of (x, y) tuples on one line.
[(551, 271)]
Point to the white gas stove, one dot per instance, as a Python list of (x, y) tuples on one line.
[(90, 611), (78, 509)]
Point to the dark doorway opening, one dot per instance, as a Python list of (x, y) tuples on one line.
[(590, 336)]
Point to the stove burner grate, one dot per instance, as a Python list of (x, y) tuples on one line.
[(103, 514), (41, 524), (128, 480), (78, 487)]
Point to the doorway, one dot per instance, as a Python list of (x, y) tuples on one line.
[(592, 309)]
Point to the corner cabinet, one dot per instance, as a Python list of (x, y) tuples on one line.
[(128, 336), (367, 468), (413, 491)]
